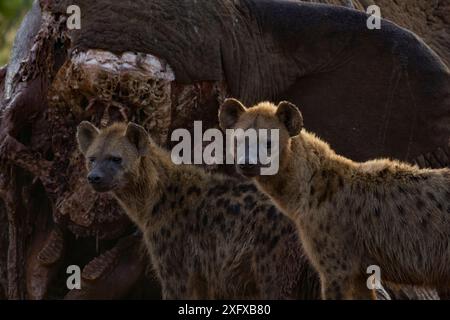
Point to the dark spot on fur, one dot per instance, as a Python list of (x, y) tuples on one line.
[(244, 188), (173, 189), (419, 177), (205, 220), (431, 196), (393, 196), (400, 209), (218, 219), (377, 195), (401, 190), (273, 243), (420, 204), (424, 223), (272, 213), (325, 194), (218, 190), (377, 211), (234, 209), (157, 208), (366, 219), (201, 206), (340, 182), (249, 202), (347, 202), (312, 191)]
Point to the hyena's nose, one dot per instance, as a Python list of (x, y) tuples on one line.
[(94, 178)]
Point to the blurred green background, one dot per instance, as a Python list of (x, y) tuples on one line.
[(11, 15)]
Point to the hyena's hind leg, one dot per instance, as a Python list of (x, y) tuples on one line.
[(361, 291)]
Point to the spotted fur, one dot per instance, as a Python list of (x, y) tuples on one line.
[(352, 215), (208, 236)]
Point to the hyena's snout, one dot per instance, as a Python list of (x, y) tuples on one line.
[(100, 181)]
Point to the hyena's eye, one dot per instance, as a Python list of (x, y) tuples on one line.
[(116, 160), (91, 159)]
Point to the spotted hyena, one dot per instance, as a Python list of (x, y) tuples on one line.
[(352, 215), (208, 236)]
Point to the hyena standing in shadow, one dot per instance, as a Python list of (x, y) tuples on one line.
[(352, 215), (208, 236)]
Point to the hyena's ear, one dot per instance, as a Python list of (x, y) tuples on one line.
[(86, 133), (291, 117), (138, 136), (229, 113)]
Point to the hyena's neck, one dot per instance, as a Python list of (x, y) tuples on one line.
[(146, 188), (311, 175)]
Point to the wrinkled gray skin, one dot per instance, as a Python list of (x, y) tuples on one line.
[(370, 93)]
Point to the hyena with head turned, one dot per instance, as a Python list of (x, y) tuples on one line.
[(353, 215), (208, 236)]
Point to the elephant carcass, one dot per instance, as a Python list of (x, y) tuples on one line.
[(385, 92), (428, 19)]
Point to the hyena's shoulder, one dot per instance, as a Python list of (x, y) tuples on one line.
[(242, 201)]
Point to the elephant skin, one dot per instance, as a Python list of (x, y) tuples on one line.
[(370, 93)]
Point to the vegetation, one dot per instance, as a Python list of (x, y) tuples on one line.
[(11, 15)]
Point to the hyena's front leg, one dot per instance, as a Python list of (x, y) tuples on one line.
[(174, 290), (361, 291), (335, 288), (174, 283)]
